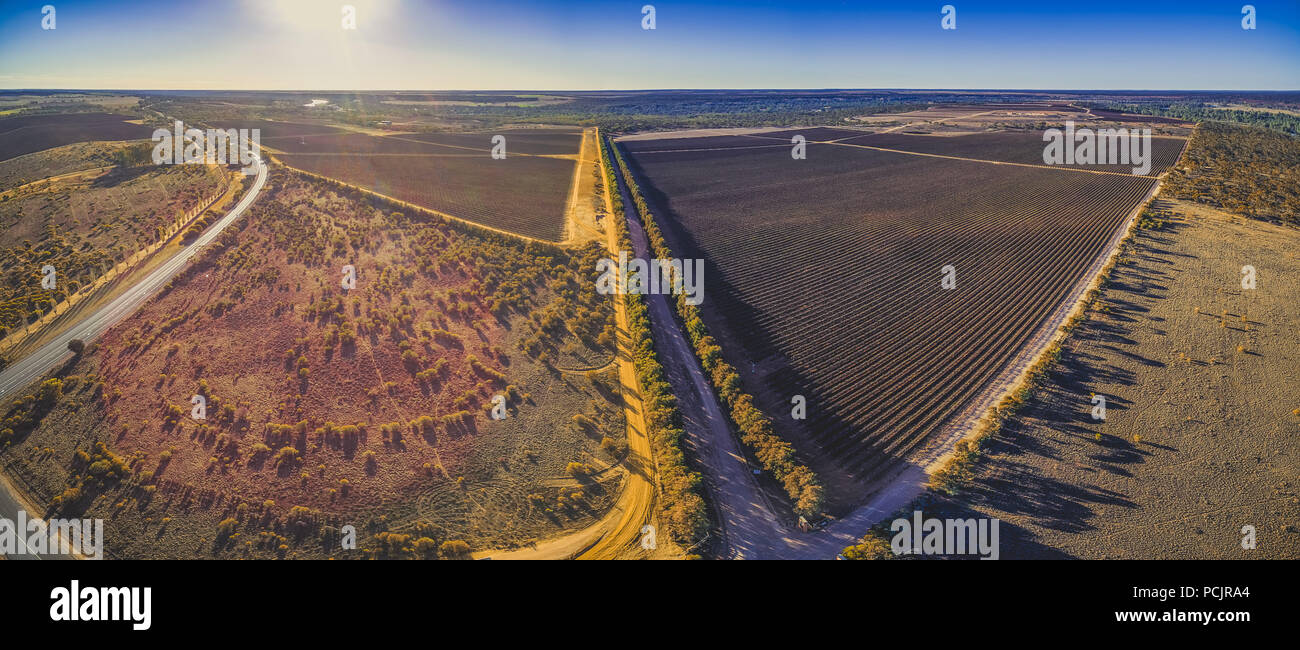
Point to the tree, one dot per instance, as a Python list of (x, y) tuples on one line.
[(454, 549), (77, 346)]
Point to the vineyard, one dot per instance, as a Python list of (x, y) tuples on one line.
[(520, 194), (451, 173), (1024, 148), (1017, 147), (30, 133), (826, 276)]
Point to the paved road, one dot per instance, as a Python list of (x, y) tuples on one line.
[(23, 373)]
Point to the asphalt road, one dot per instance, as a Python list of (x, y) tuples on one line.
[(22, 374)]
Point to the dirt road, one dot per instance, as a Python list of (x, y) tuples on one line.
[(618, 534)]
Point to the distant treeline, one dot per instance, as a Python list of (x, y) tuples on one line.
[(659, 113), (1248, 170), (1196, 112)]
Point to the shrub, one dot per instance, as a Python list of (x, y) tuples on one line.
[(226, 528), (454, 549)]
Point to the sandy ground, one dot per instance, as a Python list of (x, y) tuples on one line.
[(618, 534), (1199, 439), (580, 213)]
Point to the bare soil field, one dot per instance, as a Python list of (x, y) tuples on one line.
[(745, 141), (1202, 433), (368, 407), (697, 133), (522, 194), (552, 142), (271, 129), (25, 134), (824, 280), (941, 120)]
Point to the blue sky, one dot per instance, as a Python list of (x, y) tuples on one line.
[(593, 44)]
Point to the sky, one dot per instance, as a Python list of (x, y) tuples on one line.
[(601, 45)]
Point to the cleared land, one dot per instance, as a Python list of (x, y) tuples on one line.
[(366, 407), (525, 195), (1021, 148), (1201, 435), (825, 276), (29, 133)]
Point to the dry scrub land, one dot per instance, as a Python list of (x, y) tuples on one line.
[(83, 226), (324, 407), (50, 163), (823, 276), (1202, 432)]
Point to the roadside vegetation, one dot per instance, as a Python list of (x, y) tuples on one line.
[(774, 454), (681, 506), (82, 228)]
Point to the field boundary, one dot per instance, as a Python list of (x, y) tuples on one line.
[(960, 438), (573, 212), (754, 428), (418, 208), (52, 179), (966, 424), (1049, 338), (33, 153)]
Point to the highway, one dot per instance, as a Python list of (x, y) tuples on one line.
[(23, 373)]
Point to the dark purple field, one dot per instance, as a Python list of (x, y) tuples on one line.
[(30, 133), (1017, 147), (824, 277)]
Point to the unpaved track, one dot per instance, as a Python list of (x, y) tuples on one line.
[(750, 529), (23, 373), (618, 534)]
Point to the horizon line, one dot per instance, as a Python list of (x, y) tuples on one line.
[(672, 89)]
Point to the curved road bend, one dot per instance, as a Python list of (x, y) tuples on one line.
[(23, 373)]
